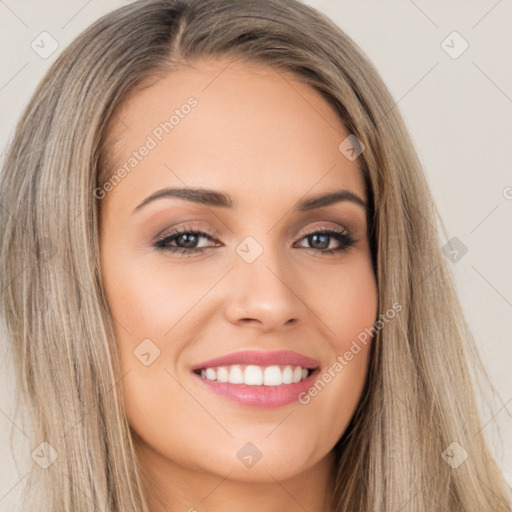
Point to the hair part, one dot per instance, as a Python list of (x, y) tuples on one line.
[(418, 398)]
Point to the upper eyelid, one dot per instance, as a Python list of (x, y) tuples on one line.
[(341, 229), (187, 228)]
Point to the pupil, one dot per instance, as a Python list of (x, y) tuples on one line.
[(323, 244), (189, 240)]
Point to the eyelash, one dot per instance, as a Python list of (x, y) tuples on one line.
[(162, 244)]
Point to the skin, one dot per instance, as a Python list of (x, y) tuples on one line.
[(268, 141)]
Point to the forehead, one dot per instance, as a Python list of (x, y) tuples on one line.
[(251, 130)]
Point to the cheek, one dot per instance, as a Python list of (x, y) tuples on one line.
[(347, 303), (157, 307), (346, 300), (148, 300), (151, 305)]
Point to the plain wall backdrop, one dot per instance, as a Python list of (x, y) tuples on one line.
[(447, 64)]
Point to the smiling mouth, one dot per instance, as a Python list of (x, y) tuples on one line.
[(253, 375)]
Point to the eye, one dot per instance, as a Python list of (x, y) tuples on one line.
[(187, 241), (321, 239)]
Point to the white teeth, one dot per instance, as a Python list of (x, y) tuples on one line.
[(222, 374), (253, 375), (288, 375), (297, 374), (236, 375), (273, 376)]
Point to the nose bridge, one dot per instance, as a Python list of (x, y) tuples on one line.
[(261, 289)]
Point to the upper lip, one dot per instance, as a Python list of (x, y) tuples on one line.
[(260, 358)]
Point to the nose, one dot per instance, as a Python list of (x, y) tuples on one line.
[(265, 295)]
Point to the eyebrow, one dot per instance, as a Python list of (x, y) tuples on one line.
[(214, 198)]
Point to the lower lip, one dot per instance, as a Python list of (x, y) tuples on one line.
[(266, 397)]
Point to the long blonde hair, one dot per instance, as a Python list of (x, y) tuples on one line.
[(419, 395)]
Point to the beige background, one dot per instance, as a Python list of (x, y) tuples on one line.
[(458, 110)]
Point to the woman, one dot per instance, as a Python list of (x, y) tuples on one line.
[(225, 288)]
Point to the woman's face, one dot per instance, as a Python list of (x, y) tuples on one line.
[(260, 146)]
